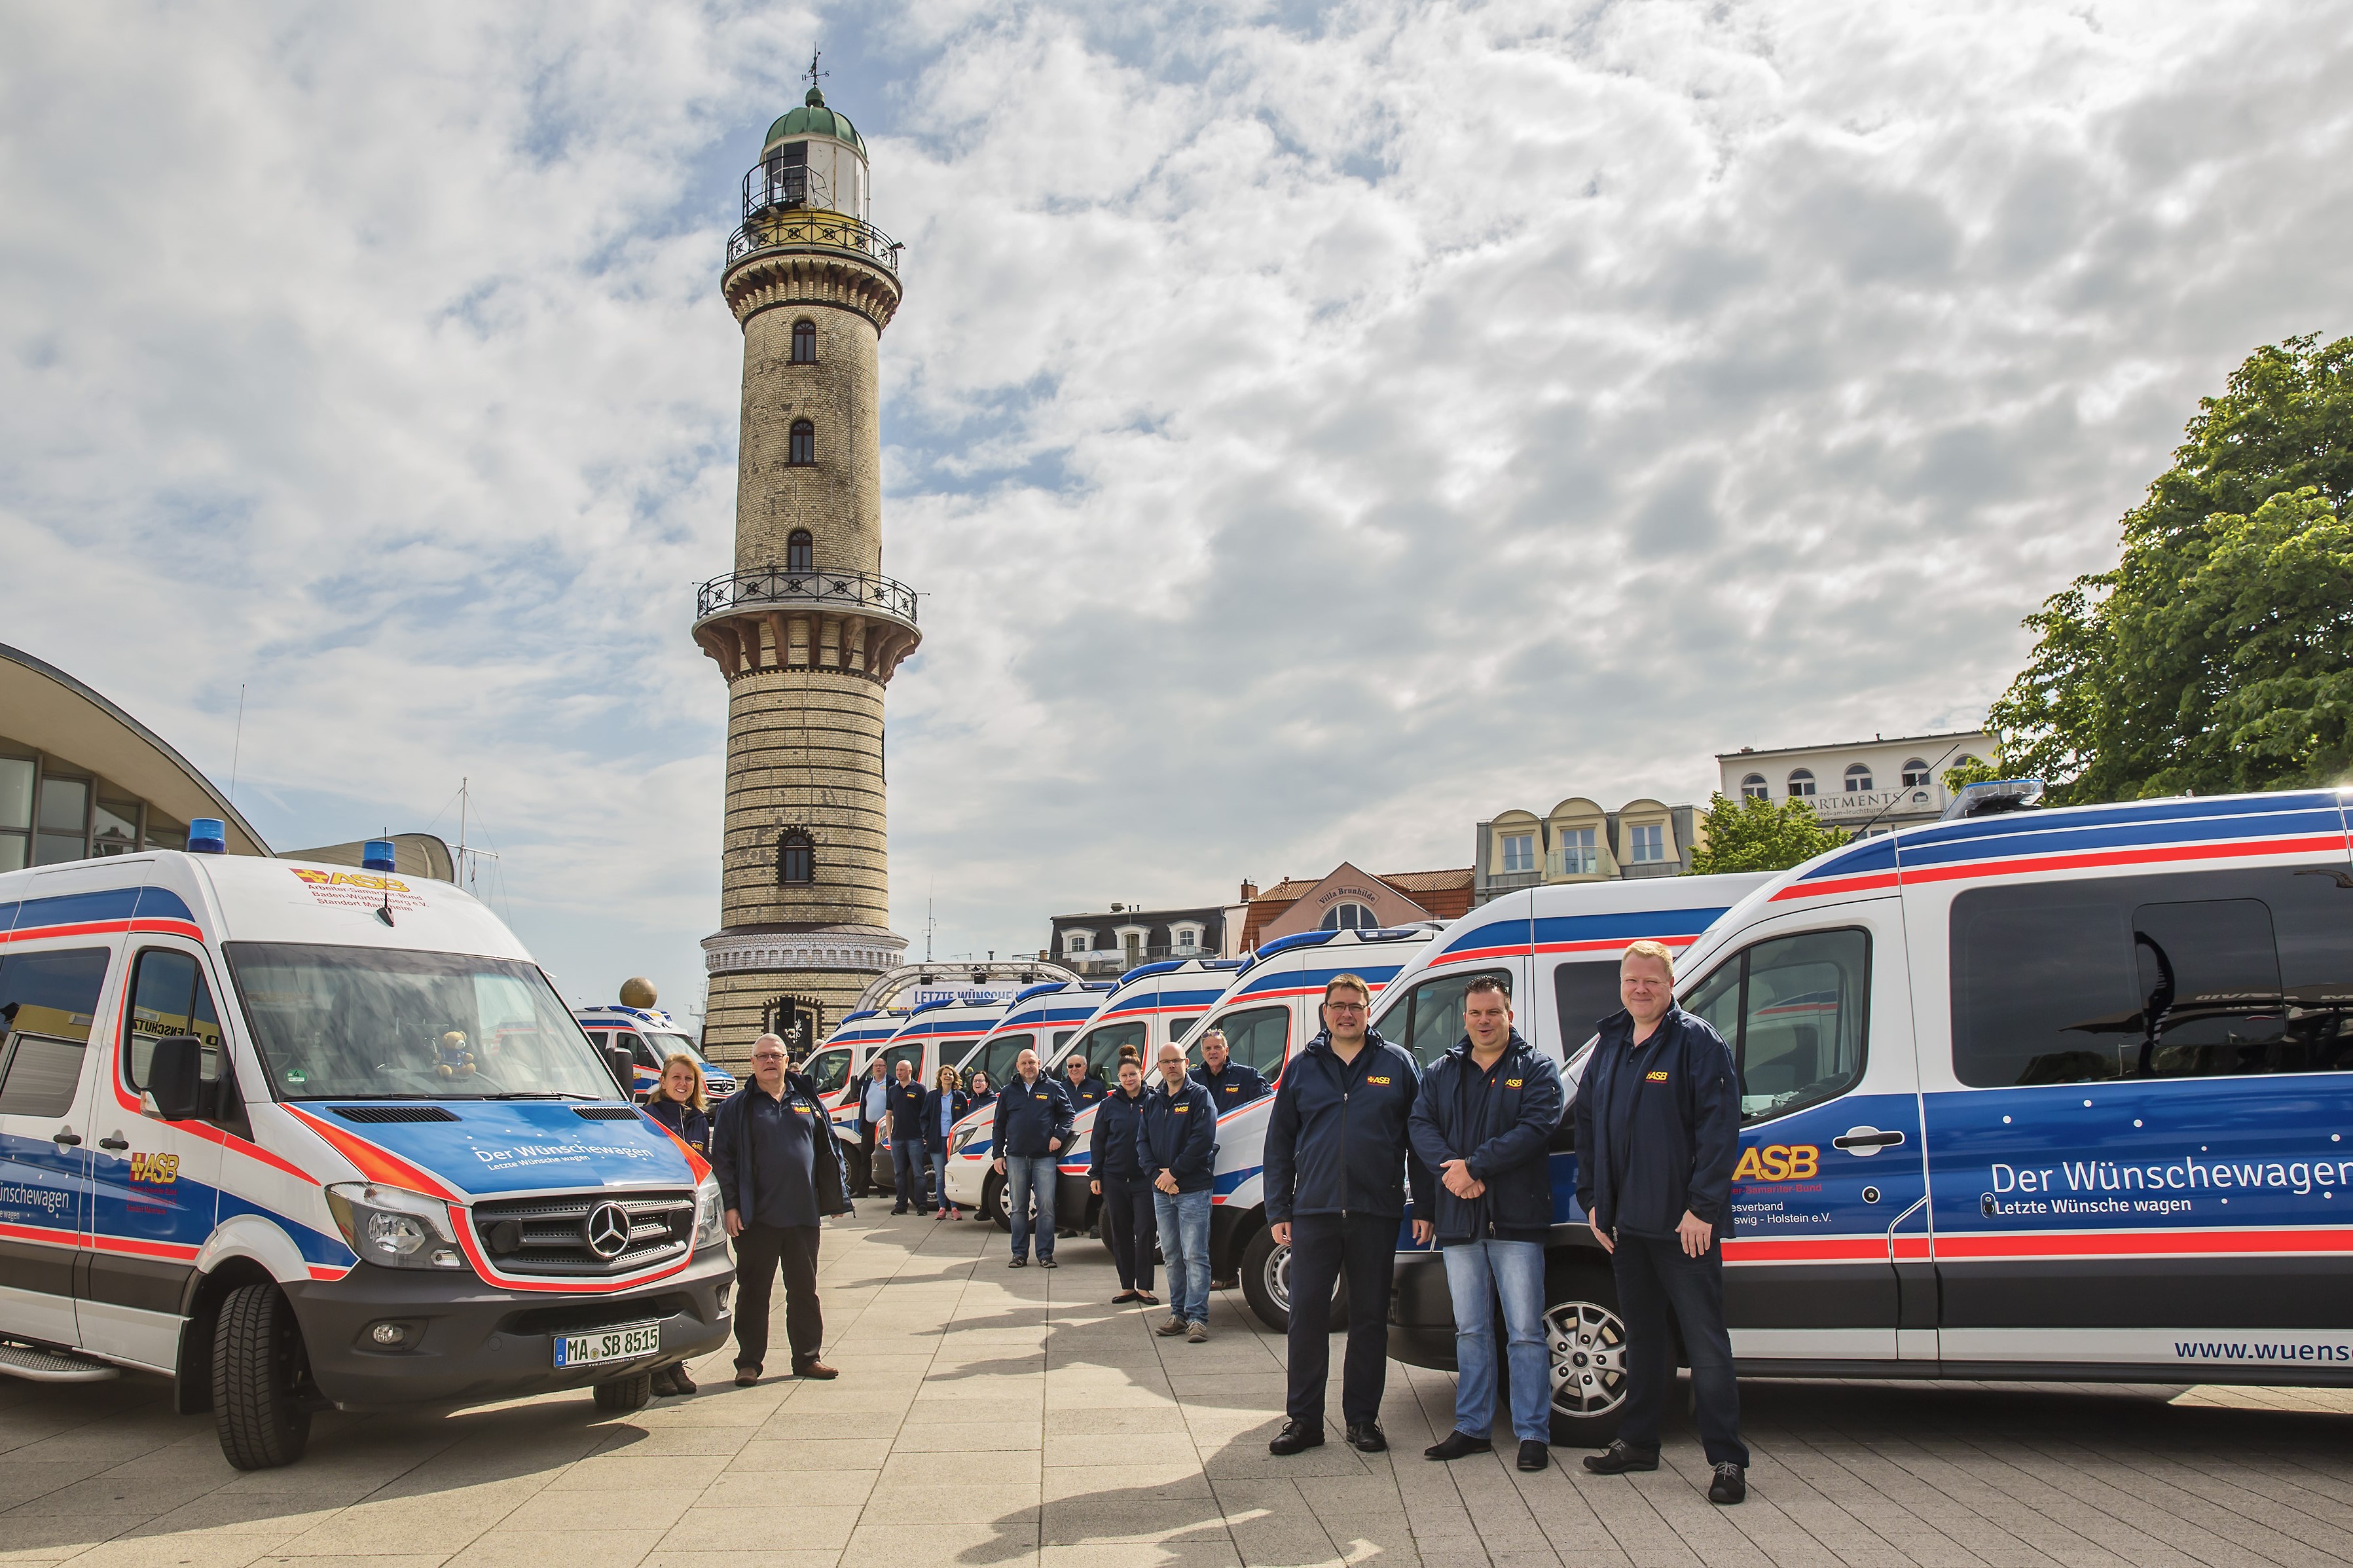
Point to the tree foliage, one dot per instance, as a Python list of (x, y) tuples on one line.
[(1748, 835), (2217, 656)]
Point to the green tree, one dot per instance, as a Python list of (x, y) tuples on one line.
[(1748, 835), (2218, 654)]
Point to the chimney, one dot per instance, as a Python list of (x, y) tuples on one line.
[(1250, 891)]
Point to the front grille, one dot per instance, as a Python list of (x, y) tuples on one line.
[(606, 1113), (550, 1236), (380, 1113)]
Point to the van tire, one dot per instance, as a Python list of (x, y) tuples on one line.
[(992, 1202), (624, 1394), (259, 1369), (1586, 1339), (1265, 1276)]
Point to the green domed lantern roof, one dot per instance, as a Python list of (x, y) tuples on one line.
[(814, 118)]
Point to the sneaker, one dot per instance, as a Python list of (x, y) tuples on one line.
[(1617, 1459), (1457, 1443), (1366, 1437), (1173, 1326), (939, 1214), (1225, 1284), (1297, 1437), (1047, 1263), (1196, 1333), (1017, 1262), (1534, 1456), (1729, 1487)]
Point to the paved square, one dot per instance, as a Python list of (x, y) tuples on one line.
[(988, 1417)]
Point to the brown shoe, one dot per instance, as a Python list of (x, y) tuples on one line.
[(814, 1368), (745, 1376)]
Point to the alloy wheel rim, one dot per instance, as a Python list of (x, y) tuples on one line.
[(1587, 1343)]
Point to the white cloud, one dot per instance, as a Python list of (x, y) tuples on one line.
[(1311, 436)]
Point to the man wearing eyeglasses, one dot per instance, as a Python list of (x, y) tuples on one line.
[(1337, 1164), (773, 1154)]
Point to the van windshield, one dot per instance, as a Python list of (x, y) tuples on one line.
[(364, 1023)]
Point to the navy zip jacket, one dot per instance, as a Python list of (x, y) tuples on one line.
[(1089, 1090), (1113, 1141), (1029, 1114), (979, 1101), (736, 1167), (693, 1126), (1178, 1134), (1680, 1138), (1500, 1123), (1237, 1085), (932, 1137), (1336, 1141), (907, 1110)]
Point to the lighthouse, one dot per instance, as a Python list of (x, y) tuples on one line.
[(806, 629)]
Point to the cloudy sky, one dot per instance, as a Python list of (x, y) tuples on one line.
[(1314, 429)]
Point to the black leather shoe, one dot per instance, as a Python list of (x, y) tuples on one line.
[(1457, 1445), (1617, 1459), (1729, 1487), (1295, 1439), (1534, 1456), (1366, 1437)]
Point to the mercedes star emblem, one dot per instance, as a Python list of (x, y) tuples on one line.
[(607, 1230)]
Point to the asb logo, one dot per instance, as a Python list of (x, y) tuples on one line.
[(1383, 1081), (1656, 1077), (1779, 1163), (156, 1170)]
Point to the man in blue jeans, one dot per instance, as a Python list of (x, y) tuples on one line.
[(908, 1166), (1484, 1123), (1032, 1126), (1177, 1144)]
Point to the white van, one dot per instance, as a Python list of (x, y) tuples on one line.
[(651, 1037), (936, 1035), (300, 1136), (2048, 1094), (1044, 1019)]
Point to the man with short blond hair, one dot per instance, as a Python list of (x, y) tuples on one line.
[(1658, 1133), (1338, 1163)]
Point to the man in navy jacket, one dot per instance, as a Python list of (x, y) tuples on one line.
[(1484, 1123), (1336, 1166), (1658, 1133), (1032, 1126), (1231, 1084), (1177, 1144), (772, 1152), (908, 1166)]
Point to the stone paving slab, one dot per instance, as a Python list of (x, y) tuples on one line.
[(1016, 1419)]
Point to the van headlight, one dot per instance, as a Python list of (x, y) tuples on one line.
[(393, 1227), (709, 1215), (963, 1140)]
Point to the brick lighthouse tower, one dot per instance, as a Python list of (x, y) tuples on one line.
[(806, 629)]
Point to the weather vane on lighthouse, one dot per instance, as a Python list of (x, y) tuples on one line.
[(811, 74)]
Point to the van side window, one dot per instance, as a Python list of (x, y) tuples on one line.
[(49, 1001), (911, 1053), (998, 1059), (1101, 1049), (830, 1070), (2204, 975), (1793, 1010), (1257, 1037), (1428, 1020), (1583, 994), (168, 996)]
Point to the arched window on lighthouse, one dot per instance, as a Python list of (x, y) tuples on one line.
[(800, 551), (804, 446), (795, 859), (804, 343)]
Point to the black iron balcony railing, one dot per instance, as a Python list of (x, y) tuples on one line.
[(777, 215), (842, 591)]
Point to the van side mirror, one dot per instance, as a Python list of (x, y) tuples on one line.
[(175, 1078), (624, 1073)]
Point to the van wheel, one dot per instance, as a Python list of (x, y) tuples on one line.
[(992, 1202), (625, 1392), (1266, 1285), (259, 1367), (1588, 1342)]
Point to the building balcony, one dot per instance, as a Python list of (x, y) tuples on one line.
[(859, 593), (856, 622), (783, 226)]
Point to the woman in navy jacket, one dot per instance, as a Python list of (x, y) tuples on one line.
[(679, 1103), (944, 1107), (1127, 1219)]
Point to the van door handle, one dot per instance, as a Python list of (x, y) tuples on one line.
[(1865, 1140), (117, 1142), (64, 1139)]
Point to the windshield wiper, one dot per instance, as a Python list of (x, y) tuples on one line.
[(540, 1094)]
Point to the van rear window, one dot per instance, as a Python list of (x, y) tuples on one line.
[(2201, 975)]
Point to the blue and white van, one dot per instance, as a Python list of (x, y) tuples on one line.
[(300, 1136), (2047, 1094), (1045, 1017), (933, 1035), (651, 1037)]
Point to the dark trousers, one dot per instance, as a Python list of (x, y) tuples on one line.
[(761, 1253), (1129, 1227), (861, 1179), (1655, 1278), (909, 1166), (1323, 1249)]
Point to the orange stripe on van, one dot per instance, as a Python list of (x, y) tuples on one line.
[(375, 1162)]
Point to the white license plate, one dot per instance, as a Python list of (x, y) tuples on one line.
[(609, 1345)]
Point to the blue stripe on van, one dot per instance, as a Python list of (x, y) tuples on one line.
[(2002, 838)]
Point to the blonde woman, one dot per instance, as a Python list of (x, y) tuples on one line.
[(944, 1107), (680, 1105)]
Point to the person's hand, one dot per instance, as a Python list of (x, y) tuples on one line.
[(735, 1223), (1053, 1145), (1456, 1174), (1696, 1234), (1599, 1234), (1164, 1181), (1000, 1167), (1424, 1233), (1095, 1187), (1280, 1231)]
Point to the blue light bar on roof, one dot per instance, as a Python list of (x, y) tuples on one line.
[(207, 835)]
